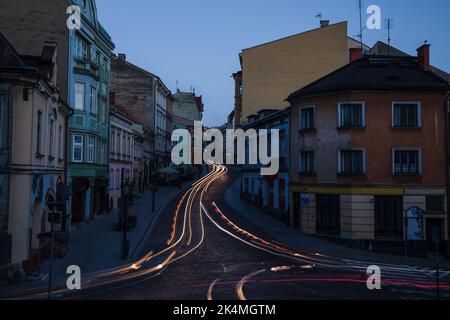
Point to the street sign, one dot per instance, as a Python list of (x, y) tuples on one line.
[(304, 198)]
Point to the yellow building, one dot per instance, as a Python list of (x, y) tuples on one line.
[(271, 71)]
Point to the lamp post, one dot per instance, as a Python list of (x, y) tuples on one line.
[(126, 192), (54, 216)]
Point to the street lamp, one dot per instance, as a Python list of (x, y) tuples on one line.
[(55, 202), (127, 189)]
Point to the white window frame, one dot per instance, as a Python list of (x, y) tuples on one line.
[(79, 144), (82, 85), (419, 113), (363, 113), (300, 124), (419, 150), (339, 157)]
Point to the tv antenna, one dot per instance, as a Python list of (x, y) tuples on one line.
[(361, 28), (389, 25), (319, 15)]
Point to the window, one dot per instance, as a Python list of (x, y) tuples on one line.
[(60, 143), (406, 162), (307, 118), (351, 162), (81, 49), (77, 148), (307, 162), (102, 154), (328, 214), (388, 212), (93, 100), (39, 132), (91, 149), (117, 179), (111, 179), (435, 203), (112, 144), (406, 115), (351, 115), (79, 96), (51, 134)]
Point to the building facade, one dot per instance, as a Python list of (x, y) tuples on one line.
[(121, 155), (271, 71), (138, 164), (369, 149), (145, 98), (271, 193), (33, 152), (83, 76)]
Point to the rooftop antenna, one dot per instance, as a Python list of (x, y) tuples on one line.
[(361, 28), (389, 26), (319, 15)]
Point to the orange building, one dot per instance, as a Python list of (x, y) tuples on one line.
[(368, 149)]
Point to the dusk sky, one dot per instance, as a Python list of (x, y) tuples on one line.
[(197, 42)]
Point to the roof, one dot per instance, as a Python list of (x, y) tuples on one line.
[(375, 73), (381, 48), (296, 35)]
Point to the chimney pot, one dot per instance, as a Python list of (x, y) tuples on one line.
[(356, 54), (324, 23), (423, 55)]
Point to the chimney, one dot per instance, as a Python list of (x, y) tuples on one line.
[(122, 58), (324, 23), (423, 55), (356, 54)]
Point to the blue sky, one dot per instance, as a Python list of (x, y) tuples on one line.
[(197, 42)]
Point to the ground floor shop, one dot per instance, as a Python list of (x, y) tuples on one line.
[(397, 219)]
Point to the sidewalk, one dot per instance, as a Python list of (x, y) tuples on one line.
[(96, 246), (292, 237)]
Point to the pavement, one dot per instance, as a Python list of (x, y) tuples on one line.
[(95, 246), (292, 237)]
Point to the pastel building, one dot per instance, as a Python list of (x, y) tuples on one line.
[(83, 82), (121, 154), (33, 122)]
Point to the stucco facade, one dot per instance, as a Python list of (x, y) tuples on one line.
[(32, 155), (393, 166)]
